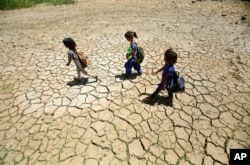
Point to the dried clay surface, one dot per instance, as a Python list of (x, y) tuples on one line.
[(45, 118)]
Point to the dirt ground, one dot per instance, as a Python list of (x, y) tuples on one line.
[(45, 118)]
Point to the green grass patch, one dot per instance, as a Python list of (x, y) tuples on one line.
[(116, 130), (14, 4), (6, 88), (164, 152), (59, 2), (233, 134), (17, 4)]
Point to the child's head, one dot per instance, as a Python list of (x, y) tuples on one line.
[(129, 35), (69, 43), (170, 56)]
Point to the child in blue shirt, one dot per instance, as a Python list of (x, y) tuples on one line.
[(131, 55), (170, 58)]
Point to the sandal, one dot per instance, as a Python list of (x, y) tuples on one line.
[(149, 99), (86, 80), (170, 99), (77, 79), (96, 78)]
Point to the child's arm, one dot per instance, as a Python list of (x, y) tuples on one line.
[(128, 55), (69, 60), (165, 80), (159, 70), (133, 52)]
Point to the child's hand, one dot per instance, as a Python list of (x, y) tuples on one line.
[(128, 56), (164, 86)]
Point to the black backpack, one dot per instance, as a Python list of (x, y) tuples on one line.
[(178, 82)]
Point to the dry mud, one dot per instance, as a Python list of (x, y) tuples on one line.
[(45, 121)]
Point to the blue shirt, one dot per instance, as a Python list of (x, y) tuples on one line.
[(134, 46), (168, 69)]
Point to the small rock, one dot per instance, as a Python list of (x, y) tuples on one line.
[(193, 1), (243, 18), (223, 15)]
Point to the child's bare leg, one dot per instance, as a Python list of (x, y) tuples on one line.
[(90, 75), (153, 95), (78, 74)]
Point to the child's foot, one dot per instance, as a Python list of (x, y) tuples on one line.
[(86, 80), (126, 75), (96, 78), (77, 79), (149, 99), (170, 99)]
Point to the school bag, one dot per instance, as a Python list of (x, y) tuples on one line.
[(83, 59), (140, 55), (178, 82)]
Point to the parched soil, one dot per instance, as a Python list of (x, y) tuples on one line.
[(47, 118)]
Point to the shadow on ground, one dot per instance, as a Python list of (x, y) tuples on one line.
[(123, 77), (82, 81), (160, 100)]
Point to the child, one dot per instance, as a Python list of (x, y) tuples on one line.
[(72, 54), (170, 58), (131, 55)]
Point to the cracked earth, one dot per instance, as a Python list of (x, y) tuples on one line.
[(44, 120)]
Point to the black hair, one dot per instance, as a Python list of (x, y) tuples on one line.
[(130, 34), (69, 43), (171, 56)]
